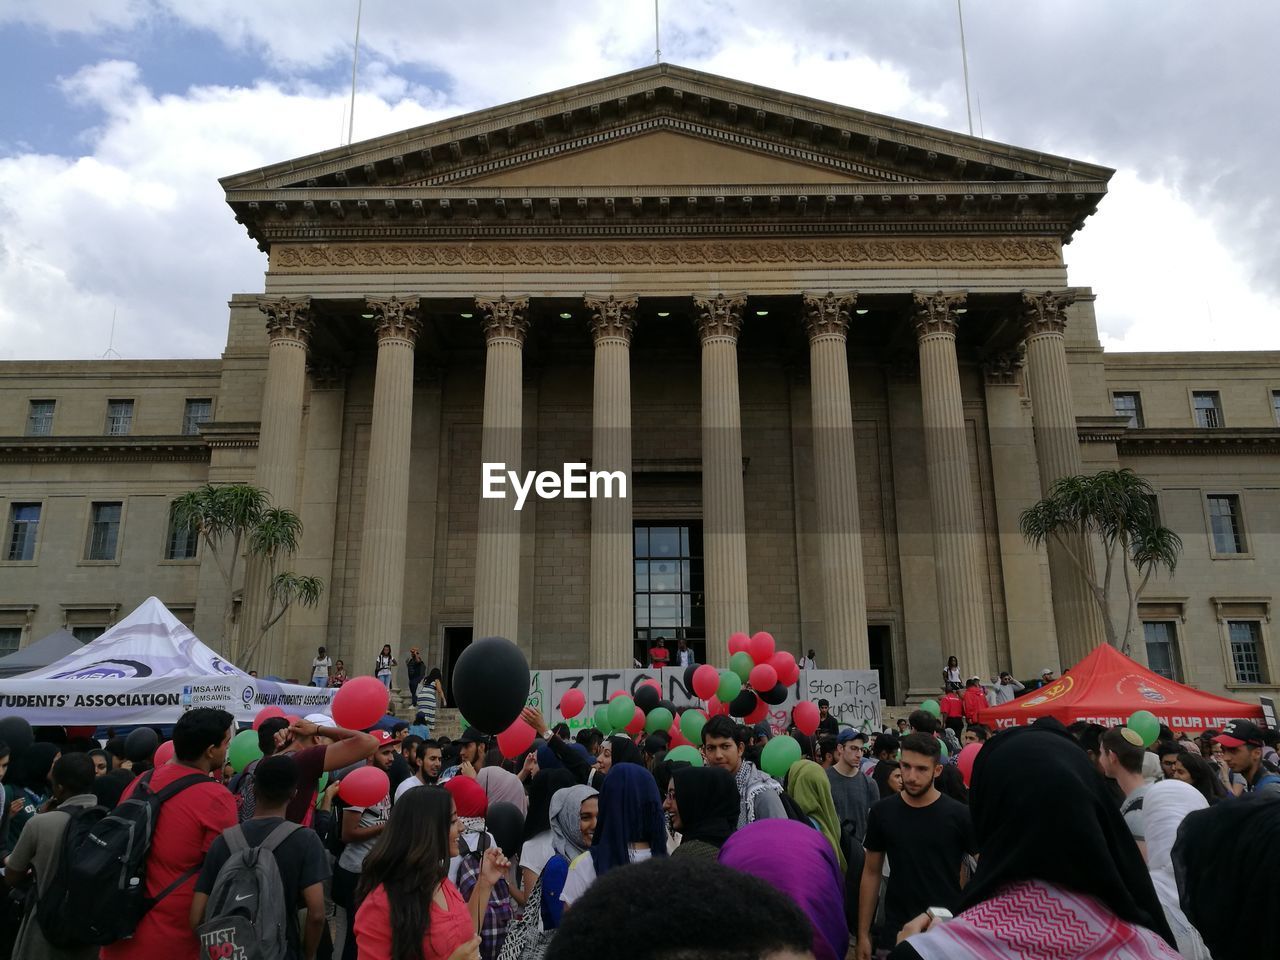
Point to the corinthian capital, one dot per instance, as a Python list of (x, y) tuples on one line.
[(828, 314), (720, 316), (936, 312), (393, 317), (288, 318), (504, 319), (1046, 312), (612, 317)]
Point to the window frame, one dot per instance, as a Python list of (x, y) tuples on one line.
[(8, 515), (1192, 394), (166, 546), (1246, 541), (133, 416), (1137, 420), (1260, 651), (53, 412), (643, 637), (85, 558), (186, 413), (1274, 395), (1174, 642)]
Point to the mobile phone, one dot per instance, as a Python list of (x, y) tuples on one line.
[(939, 914)]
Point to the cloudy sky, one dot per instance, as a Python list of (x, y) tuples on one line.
[(118, 116)]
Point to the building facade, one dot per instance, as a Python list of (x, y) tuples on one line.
[(834, 355)]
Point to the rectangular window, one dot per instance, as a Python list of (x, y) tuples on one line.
[(197, 413), (1246, 646), (1225, 523), (668, 589), (1128, 404), (24, 522), (87, 634), (1162, 648), (1275, 404), (104, 531), (1208, 408), (40, 418), (182, 542), (119, 418), (10, 639)]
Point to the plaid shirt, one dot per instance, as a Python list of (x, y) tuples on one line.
[(499, 911)]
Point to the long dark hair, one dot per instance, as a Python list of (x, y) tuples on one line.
[(410, 859), (1203, 776)]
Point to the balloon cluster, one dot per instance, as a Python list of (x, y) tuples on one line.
[(757, 678)]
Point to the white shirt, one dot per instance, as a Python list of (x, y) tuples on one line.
[(582, 873), (536, 852), (353, 854), (320, 667), (406, 785), (806, 663), (685, 656)]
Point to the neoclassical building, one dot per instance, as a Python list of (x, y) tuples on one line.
[(833, 355)]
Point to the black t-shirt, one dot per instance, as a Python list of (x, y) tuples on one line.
[(829, 726), (301, 858), (925, 846)]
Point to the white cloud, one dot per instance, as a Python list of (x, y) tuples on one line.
[(1164, 277)]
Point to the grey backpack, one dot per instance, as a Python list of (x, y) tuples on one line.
[(246, 917)]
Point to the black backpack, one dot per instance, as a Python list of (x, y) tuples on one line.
[(241, 786), (98, 893)]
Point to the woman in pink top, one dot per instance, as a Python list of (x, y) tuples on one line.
[(409, 909)]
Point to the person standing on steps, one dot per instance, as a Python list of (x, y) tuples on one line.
[(383, 666), (416, 669), (320, 669)]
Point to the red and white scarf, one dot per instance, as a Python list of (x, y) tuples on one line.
[(1035, 920)]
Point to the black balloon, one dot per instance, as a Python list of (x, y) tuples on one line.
[(491, 684), (743, 704), (775, 696), (16, 733), (688, 676), (506, 823), (140, 745), (646, 697)]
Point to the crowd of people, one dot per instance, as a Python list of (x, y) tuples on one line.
[(1053, 841)]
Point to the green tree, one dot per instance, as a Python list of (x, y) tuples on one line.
[(235, 520), (1117, 509)]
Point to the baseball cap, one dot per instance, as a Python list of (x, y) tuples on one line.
[(1046, 670), (846, 735), (1240, 733), (382, 737), (472, 735)]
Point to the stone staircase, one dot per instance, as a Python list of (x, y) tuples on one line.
[(448, 720)]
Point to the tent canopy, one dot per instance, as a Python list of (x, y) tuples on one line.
[(1107, 687), (148, 668), (43, 652)]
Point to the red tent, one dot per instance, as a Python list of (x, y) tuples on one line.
[(1106, 687)]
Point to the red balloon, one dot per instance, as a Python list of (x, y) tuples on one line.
[(756, 715), (965, 761), (761, 647), (81, 733), (805, 716), (738, 643), (616, 694), (364, 786), (650, 682), (266, 713), (163, 754), (571, 703), (763, 677), (637, 722), (785, 666), (714, 707), (678, 739), (359, 704), (516, 739), (706, 681)]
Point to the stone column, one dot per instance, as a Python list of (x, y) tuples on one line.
[(612, 537), (1058, 451), (956, 539), (380, 589), (724, 531), (844, 599), (279, 448), (497, 583)]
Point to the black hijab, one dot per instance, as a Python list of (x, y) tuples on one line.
[(541, 789), (707, 798), (1040, 811), (1225, 863), (33, 768), (624, 750)]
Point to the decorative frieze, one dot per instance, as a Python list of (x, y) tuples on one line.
[(611, 317), (503, 318), (1046, 312), (288, 318), (720, 316), (828, 315), (395, 317), (392, 257), (935, 313)]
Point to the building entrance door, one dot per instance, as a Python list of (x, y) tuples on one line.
[(456, 639), (880, 644)]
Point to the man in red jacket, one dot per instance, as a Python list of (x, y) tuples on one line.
[(952, 710), (975, 700)]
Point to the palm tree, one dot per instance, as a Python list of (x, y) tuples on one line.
[(1118, 508), (237, 518)]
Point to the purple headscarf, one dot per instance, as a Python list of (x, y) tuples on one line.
[(502, 786), (798, 861)]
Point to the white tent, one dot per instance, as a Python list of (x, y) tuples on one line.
[(148, 668)]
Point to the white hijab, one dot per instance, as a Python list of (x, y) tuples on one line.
[(1164, 806)]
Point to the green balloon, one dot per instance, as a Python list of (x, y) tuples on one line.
[(931, 706), (691, 724), (602, 719), (730, 686), (622, 710), (741, 664), (778, 756), (243, 750), (659, 718), (686, 753), (1145, 725)]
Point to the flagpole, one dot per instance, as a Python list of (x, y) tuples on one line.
[(355, 61)]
